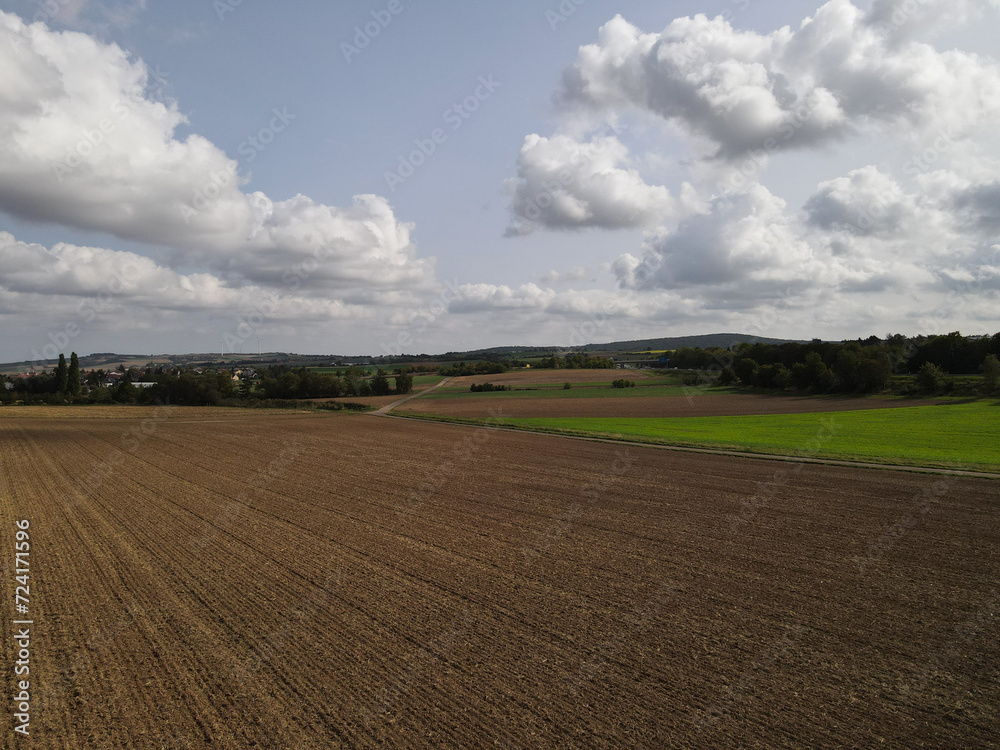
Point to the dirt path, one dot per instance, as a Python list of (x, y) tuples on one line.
[(389, 407)]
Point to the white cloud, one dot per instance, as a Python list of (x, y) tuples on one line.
[(568, 276), (480, 297), (100, 280), (734, 90), (565, 184), (82, 144), (979, 206), (866, 201), (746, 241), (904, 21)]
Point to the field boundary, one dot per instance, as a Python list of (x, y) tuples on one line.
[(913, 468)]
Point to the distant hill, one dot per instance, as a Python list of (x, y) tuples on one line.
[(704, 341), (109, 360)]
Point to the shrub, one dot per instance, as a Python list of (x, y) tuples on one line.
[(745, 370), (622, 383), (991, 373), (404, 382), (487, 388), (931, 379)]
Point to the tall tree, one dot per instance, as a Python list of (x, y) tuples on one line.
[(380, 384), (62, 375), (73, 385), (404, 382)]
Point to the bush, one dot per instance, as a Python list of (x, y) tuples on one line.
[(812, 373), (931, 379), (745, 370), (772, 376), (380, 384), (404, 383), (622, 383), (727, 376), (474, 368), (487, 388), (101, 396), (567, 386)]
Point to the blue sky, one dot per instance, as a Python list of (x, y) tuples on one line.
[(593, 172)]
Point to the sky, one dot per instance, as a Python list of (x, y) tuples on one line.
[(399, 176)]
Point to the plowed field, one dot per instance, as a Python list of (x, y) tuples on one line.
[(343, 580)]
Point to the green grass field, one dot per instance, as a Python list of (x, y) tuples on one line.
[(960, 435), (427, 379)]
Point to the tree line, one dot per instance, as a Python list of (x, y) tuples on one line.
[(860, 366), (577, 361), (191, 388)]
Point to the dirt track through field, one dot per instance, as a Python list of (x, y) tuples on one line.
[(399, 402), (342, 581)]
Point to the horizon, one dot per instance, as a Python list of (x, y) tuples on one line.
[(404, 177), (547, 347)]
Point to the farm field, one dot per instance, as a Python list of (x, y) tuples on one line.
[(960, 436), (420, 383), (234, 579), (656, 401), (941, 432)]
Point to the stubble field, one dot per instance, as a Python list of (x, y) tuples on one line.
[(217, 578)]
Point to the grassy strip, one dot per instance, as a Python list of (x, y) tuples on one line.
[(947, 435), (426, 379), (958, 436)]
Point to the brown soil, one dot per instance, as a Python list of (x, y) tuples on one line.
[(482, 407), (343, 580)]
